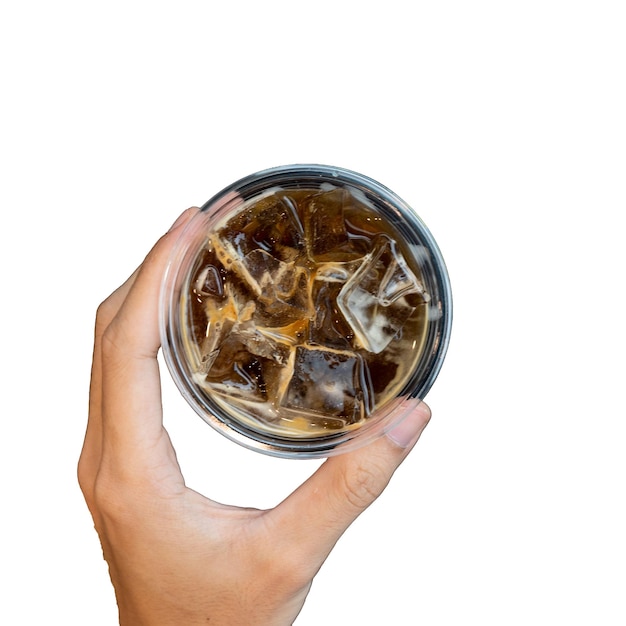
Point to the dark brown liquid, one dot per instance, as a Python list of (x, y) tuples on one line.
[(304, 312)]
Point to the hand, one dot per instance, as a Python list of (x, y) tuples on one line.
[(176, 557)]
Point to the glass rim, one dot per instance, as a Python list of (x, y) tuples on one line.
[(384, 417)]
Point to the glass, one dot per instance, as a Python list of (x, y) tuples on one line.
[(301, 307)]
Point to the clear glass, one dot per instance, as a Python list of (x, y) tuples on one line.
[(301, 307)]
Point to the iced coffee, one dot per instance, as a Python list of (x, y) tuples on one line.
[(301, 307), (304, 311)]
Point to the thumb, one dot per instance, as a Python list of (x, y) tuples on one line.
[(316, 514)]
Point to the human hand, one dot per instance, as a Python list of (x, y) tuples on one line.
[(176, 557)]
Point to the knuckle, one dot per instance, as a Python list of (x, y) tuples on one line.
[(362, 485), (286, 564), (110, 499), (109, 340), (85, 478), (289, 573), (113, 343), (104, 314)]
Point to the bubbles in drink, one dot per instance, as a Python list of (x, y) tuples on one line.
[(305, 311)]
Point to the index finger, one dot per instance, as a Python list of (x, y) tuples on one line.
[(91, 452), (131, 391)]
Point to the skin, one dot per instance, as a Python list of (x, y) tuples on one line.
[(175, 556)]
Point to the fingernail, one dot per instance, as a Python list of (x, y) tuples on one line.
[(408, 430)]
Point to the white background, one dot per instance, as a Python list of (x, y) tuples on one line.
[(502, 123)]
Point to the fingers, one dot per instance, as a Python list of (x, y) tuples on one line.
[(131, 391), (321, 509), (91, 452), (130, 311)]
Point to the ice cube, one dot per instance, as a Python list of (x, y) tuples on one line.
[(260, 344), (246, 366), (329, 327), (209, 281), (219, 315), (282, 289), (324, 223), (329, 383), (271, 224), (337, 271), (374, 300)]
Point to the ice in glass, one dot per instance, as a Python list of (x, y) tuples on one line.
[(304, 311)]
